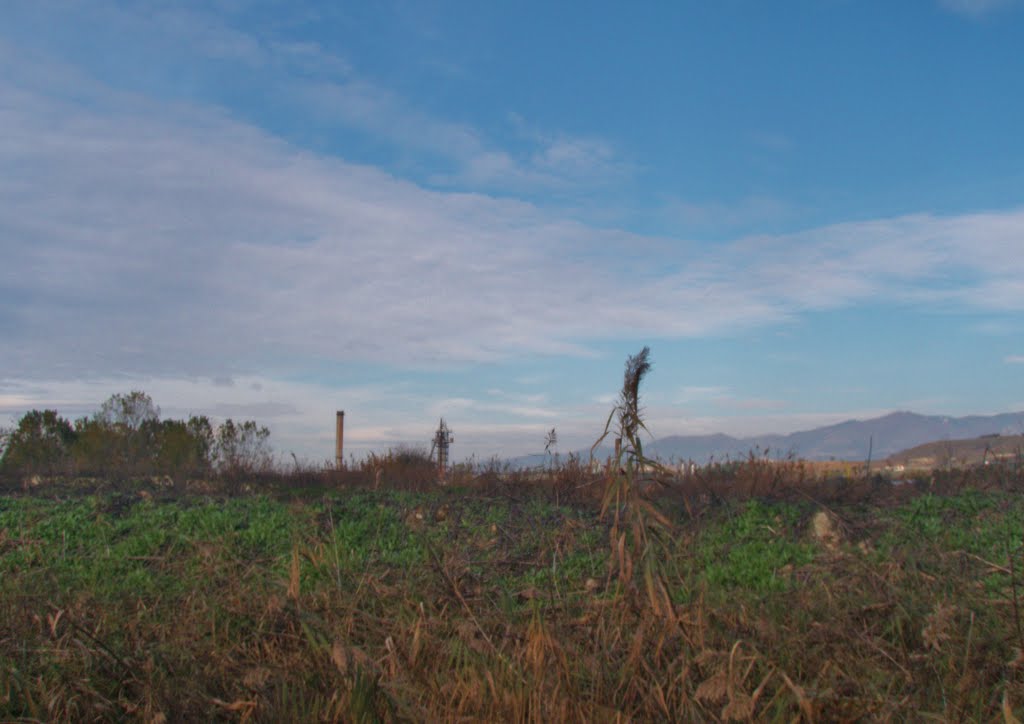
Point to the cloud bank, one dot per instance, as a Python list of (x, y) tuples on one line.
[(152, 238), (174, 246)]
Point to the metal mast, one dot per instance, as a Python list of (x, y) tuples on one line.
[(442, 439)]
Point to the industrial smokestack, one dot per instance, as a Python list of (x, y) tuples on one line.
[(339, 438)]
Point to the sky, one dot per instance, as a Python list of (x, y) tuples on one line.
[(810, 210)]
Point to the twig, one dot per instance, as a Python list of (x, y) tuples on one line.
[(102, 646), (990, 564), (458, 594), (967, 652), (887, 655)]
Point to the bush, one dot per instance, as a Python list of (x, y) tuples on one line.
[(242, 449), (183, 449), (121, 439), (126, 439), (408, 468), (40, 445)]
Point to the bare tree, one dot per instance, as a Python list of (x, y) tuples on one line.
[(130, 411)]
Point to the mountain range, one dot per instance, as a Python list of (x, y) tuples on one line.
[(850, 440)]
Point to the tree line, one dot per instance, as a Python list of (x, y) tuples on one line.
[(127, 438)]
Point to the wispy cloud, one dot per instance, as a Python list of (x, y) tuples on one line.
[(1014, 359), (326, 89), (721, 398), (547, 162), (698, 393), (258, 410), (754, 403), (335, 90), (481, 410), (145, 238)]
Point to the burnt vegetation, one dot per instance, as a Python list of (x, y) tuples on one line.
[(172, 570)]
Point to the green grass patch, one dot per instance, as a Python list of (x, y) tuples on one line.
[(754, 550), (436, 605)]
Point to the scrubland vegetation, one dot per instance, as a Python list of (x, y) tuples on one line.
[(126, 439), (752, 590)]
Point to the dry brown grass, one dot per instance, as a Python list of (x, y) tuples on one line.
[(853, 638)]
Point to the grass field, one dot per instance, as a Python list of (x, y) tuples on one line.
[(463, 605)]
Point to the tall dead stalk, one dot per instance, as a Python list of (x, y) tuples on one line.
[(639, 531)]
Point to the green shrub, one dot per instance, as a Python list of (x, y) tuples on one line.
[(39, 445)]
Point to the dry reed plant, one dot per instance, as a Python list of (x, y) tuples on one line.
[(640, 533)]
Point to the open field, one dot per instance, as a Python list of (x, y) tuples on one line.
[(495, 604)]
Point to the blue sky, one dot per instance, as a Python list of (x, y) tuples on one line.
[(811, 211)]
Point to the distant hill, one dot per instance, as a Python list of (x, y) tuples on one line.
[(848, 440), (960, 452), (540, 460)]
